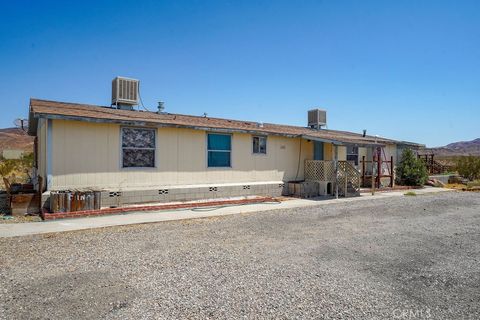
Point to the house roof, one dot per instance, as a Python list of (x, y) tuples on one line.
[(93, 113)]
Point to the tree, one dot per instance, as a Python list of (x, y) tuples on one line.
[(469, 167), (411, 171)]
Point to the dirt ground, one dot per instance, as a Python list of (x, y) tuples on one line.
[(396, 258), (6, 218)]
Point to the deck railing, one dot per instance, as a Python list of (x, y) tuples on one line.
[(319, 170), (349, 179)]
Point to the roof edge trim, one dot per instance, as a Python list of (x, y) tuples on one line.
[(342, 143), (159, 125)]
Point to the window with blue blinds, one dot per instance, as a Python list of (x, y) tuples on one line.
[(219, 148)]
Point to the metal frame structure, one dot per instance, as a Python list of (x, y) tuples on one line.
[(377, 166)]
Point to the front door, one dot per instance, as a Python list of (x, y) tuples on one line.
[(317, 150)]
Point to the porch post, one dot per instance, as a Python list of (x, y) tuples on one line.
[(336, 171), (363, 171), (379, 167), (49, 154), (392, 173), (374, 178)]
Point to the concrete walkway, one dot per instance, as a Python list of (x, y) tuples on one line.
[(24, 229)]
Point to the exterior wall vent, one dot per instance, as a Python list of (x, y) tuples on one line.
[(125, 92), (317, 118)]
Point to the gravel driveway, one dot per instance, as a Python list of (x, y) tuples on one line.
[(397, 258)]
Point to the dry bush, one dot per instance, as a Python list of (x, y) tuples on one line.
[(469, 167)]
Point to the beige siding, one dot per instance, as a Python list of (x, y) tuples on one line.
[(88, 155), (391, 150), (362, 151), (342, 153), (329, 152)]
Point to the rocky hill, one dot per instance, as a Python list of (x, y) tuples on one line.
[(15, 138), (462, 148)]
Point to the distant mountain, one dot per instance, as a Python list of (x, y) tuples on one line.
[(462, 148), (15, 138)]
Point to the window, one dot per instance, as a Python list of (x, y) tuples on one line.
[(219, 148), (138, 147), (352, 154), (260, 145)]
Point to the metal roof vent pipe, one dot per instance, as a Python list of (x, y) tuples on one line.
[(161, 107)]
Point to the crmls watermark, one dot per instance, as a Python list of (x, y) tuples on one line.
[(412, 313)]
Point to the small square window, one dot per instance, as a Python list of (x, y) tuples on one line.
[(352, 154), (259, 145)]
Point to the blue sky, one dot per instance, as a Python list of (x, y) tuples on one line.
[(402, 69)]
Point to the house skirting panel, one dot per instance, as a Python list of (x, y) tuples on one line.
[(118, 198)]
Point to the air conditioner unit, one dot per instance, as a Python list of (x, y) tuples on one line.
[(125, 91), (317, 118)]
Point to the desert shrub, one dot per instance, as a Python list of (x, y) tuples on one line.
[(16, 170), (469, 167), (475, 183), (411, 171), (7, 167), (26, 161)]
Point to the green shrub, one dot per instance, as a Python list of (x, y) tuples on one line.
[(475, 183), (411, 171), (469, 167)]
